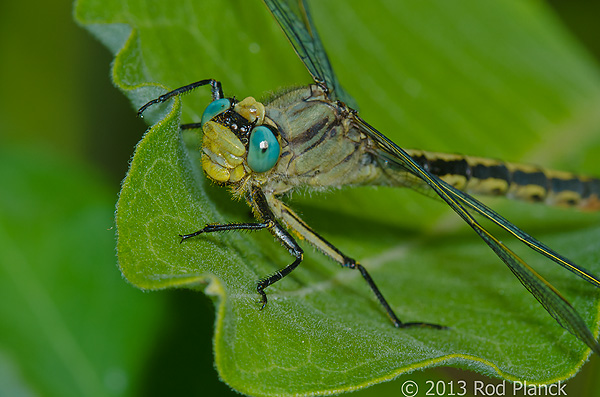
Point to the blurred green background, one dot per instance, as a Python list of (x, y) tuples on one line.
[(70, 324)]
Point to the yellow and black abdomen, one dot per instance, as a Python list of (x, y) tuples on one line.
[(475, 175)]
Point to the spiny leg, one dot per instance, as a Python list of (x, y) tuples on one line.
[(352, 264), (215, 88), (224, 227), (293, 221), (259, 202), (262, 209)]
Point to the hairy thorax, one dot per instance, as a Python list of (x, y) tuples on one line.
[(319, 145)]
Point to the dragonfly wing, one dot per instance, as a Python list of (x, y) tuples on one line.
[(542, 290), (295, 20), (534, 244)]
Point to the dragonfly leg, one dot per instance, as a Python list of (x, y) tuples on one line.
[(261, 207), (352, 264), (215, 88), (263, 211), (216, 227), (294, 222), (278, 275), (190, 126)]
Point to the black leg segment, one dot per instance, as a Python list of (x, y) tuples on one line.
[(215, 227), (259, 202), (352, 264), (215, 88), (191, 126)]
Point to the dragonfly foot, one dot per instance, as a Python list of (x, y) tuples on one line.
[(187, 236), (141, 111), (263, 296)]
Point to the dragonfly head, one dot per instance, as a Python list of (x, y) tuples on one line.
[(236, 143)]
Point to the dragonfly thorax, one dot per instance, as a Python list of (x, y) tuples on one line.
[(236, 143)]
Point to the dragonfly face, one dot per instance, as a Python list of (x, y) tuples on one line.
[(236, 144)]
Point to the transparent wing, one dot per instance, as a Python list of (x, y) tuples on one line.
[(543, 291), (295, 20)]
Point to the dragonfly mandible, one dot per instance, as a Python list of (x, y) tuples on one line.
[(312, 137)]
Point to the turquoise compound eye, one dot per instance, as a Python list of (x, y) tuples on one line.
[(215, 108), (263, 149)]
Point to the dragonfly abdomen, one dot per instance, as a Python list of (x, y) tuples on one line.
[(476, 175)]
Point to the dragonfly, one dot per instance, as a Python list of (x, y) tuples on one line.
[(313, 137)]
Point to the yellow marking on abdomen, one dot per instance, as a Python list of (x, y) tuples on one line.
[(476, 175)]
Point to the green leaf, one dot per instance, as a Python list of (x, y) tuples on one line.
[(70, 326), (496, 79)]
